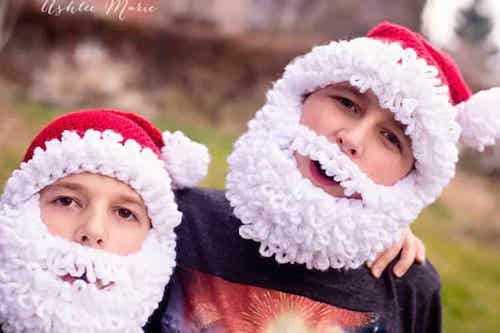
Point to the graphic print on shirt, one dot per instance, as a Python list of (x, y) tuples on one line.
[(202, 303)]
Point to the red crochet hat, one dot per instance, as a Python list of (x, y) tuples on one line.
[(112, 143), (128, 125), (448, 71)]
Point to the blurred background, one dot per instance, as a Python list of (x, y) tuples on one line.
[(203, 66)]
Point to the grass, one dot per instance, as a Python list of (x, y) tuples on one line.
[(470, 271), (9, 161)]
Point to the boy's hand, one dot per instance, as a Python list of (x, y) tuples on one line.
[(412, 249)]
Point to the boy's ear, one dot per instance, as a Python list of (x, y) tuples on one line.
[(479, 119)]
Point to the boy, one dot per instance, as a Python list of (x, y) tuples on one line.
[(86, 224), (355, 139)]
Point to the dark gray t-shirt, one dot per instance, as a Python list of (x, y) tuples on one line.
[(223, 284)]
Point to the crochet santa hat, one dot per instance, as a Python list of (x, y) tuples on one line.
[(421, 85), (118, 144)]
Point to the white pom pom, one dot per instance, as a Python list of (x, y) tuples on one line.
[(186, 161), (479, 118)]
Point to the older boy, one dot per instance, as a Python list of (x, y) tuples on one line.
[(355, 139), (86, 224)]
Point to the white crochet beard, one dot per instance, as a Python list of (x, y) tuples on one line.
[(298, 222), (33, 297)]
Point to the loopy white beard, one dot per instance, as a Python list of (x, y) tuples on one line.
[(33, 297), (298, 222)]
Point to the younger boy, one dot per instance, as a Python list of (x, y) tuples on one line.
[(86, 224), (355, 139)]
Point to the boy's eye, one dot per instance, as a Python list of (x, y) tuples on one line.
[(126, 214), (346, 102), (392, 138), (65, 201)]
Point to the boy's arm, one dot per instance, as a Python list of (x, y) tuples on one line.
[(411, 248)]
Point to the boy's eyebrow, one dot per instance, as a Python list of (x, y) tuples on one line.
[(399, 125), (67, 185), (349, 88), (125, 198)]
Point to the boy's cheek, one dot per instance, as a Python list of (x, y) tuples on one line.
[(314, 119), (57, 222)]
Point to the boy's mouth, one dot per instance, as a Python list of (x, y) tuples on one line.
[(99, 284), (322, 179)]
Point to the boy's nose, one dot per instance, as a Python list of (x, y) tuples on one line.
[(93, 232), (350, 142)]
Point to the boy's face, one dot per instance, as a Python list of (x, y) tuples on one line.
[(95, 211), (365, 132), (76, 247)]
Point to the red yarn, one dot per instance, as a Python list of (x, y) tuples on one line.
[(129, 125), (448, 70)]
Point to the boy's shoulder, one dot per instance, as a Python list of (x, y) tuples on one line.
[(202, 199), (419, 298), (422, 274), (421, 280)]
